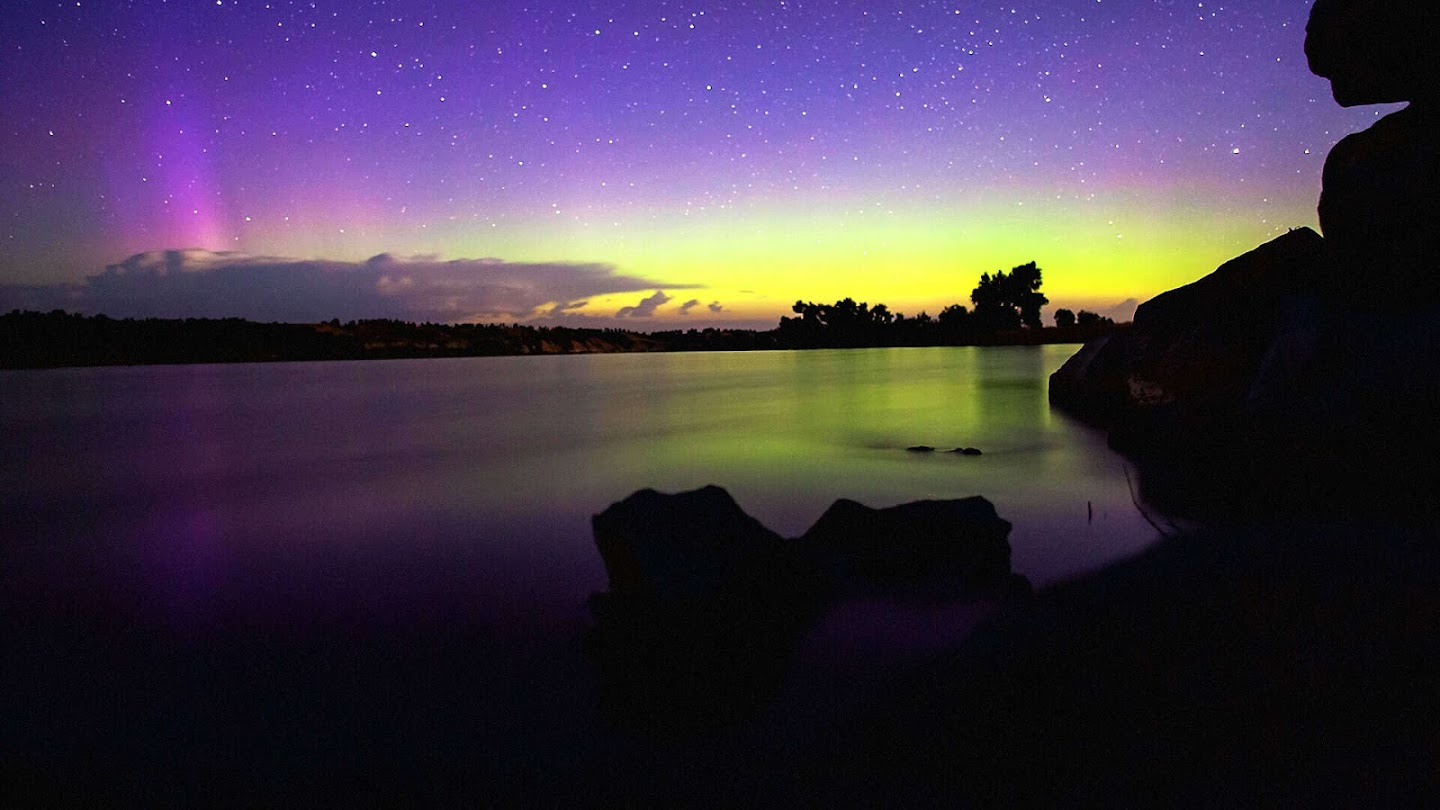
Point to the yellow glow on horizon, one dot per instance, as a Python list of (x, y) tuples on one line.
[(758, 260)]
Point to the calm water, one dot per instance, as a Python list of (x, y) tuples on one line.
[(193, 489), (328, 573)]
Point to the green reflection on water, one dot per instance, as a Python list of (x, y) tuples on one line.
[(807, 427)]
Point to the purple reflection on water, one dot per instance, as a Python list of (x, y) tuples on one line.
[(192, 567)]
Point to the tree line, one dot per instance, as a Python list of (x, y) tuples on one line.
[(1006, 310)]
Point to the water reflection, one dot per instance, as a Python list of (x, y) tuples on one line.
[(1012, 388), (380, 568), (261, 478)]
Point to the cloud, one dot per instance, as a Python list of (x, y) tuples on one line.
[(645, 308), (713, 306), (564, 307), (206, 284)]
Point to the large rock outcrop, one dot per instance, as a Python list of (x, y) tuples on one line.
[(1382, 186), (1301, 376), (706, 604), (1199, 360), (1377, 211)]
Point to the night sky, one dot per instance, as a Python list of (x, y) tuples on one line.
[(651, 164)]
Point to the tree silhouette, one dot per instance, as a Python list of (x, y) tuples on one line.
[(1009, 301), (954, 323), (1064, 318), (844, 323)]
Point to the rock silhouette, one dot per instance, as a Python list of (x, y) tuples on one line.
[(1381, 192), (1382, 185), (1297, 377), (684, 547), (706, 604), (939, 547), (1375, 51), (704, 607), (1188, 365)]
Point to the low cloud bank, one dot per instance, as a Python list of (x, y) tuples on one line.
[(206, 284), (646, 308), (713, 306)]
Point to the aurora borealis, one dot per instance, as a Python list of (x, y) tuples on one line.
[(657, 163)]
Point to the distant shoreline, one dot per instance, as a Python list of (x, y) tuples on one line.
[(35, 340)]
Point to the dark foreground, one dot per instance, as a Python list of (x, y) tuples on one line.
[(1288, 665)]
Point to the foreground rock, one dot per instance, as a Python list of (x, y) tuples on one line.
[(686, 547), (936, 547), (706, 604)]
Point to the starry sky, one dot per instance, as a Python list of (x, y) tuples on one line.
[(645, 164)]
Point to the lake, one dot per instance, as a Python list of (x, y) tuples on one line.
[(298, 511)]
